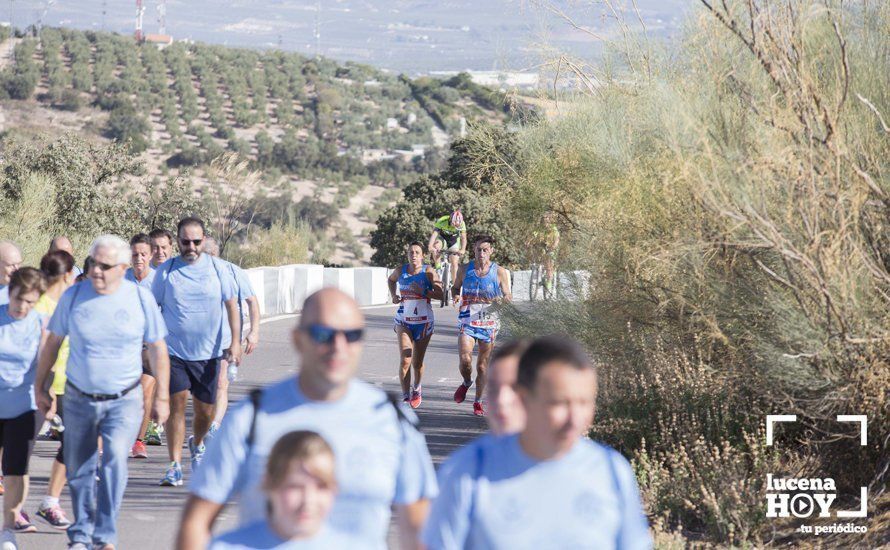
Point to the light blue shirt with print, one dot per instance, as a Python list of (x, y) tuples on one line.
[(493, 495), (146, 282), (105, 333), (260, 536), (243, 290), (4, 294), (191, 297), (381, 459), (19, 344)]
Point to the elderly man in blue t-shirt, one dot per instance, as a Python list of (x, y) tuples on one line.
[(546, 486), (198, 298), (107, 319), (381, 457)]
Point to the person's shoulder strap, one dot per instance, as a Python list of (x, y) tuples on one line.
[(400, 414), (255, 397)]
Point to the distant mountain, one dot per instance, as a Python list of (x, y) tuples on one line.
[(411, 36)]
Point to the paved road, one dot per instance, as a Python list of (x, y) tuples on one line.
[(150, 513)]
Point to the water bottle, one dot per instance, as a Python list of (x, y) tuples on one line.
[(56, 423), (232, 373)]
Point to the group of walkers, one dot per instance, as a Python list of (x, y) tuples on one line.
[(319, 459), (109, 360)]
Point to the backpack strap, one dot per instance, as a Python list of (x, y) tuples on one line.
[(255, 397)]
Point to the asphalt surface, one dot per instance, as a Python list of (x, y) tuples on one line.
[(149, 516)]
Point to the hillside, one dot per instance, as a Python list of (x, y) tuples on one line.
[(335, 133)]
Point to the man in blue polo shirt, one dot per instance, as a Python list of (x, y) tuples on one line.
[(106, 319), (198, 298), (381, 457), (245, 294), (10, 260), (547, 486)]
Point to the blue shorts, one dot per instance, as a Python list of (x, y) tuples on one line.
[(479, 334), (418, 331), (198, 377)]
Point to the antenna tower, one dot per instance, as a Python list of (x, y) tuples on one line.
[(162, 16), (140, 10)]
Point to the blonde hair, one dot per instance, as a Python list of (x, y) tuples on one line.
[(298, 446)]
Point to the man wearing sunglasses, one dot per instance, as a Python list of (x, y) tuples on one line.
[(106, 320), (197, 297), (381, 457)]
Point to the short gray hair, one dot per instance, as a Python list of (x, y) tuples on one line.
[(116, 244)]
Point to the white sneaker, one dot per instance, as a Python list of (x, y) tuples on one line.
[(7, 540)]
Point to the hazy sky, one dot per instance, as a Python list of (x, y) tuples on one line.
[(402, 35)]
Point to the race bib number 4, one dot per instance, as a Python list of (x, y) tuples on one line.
[(416, 311)]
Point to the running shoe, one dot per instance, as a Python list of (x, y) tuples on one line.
[(461, 393), (416, 399), (7, 540), (196, 452), (138, 450), (173, 477), (152, 434), (23, 524), (478, 409), (55, 516)]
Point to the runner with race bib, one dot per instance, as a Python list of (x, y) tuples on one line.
[(480, 283), (417, 284)]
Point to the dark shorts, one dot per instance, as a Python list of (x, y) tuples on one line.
[(17, 439), (199, 377)]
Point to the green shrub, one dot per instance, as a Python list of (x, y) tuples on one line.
[(280, 244)]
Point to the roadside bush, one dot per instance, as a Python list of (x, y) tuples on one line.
[(731, 207), (280, 244)]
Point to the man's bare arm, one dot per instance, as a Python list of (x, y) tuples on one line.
[(235, 325), (159, 361), (48, 354), (253, 337), (411, 518), (504, 281), (197, 521)]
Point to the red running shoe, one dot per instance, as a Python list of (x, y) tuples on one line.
[(416, 399), (139, 450), (461, 393), (478, 409)]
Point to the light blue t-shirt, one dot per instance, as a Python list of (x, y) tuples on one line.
[(146, 282), (260, 536), (381, 459), (493, 495), (243, 291), (191, 297), (19, 343), (105, 334), (4, 294)]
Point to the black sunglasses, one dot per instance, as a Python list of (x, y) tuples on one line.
[(322, 334), (104, 267), (194, 242)]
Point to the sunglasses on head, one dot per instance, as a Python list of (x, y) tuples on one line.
[(322, 334), (195, 242)]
